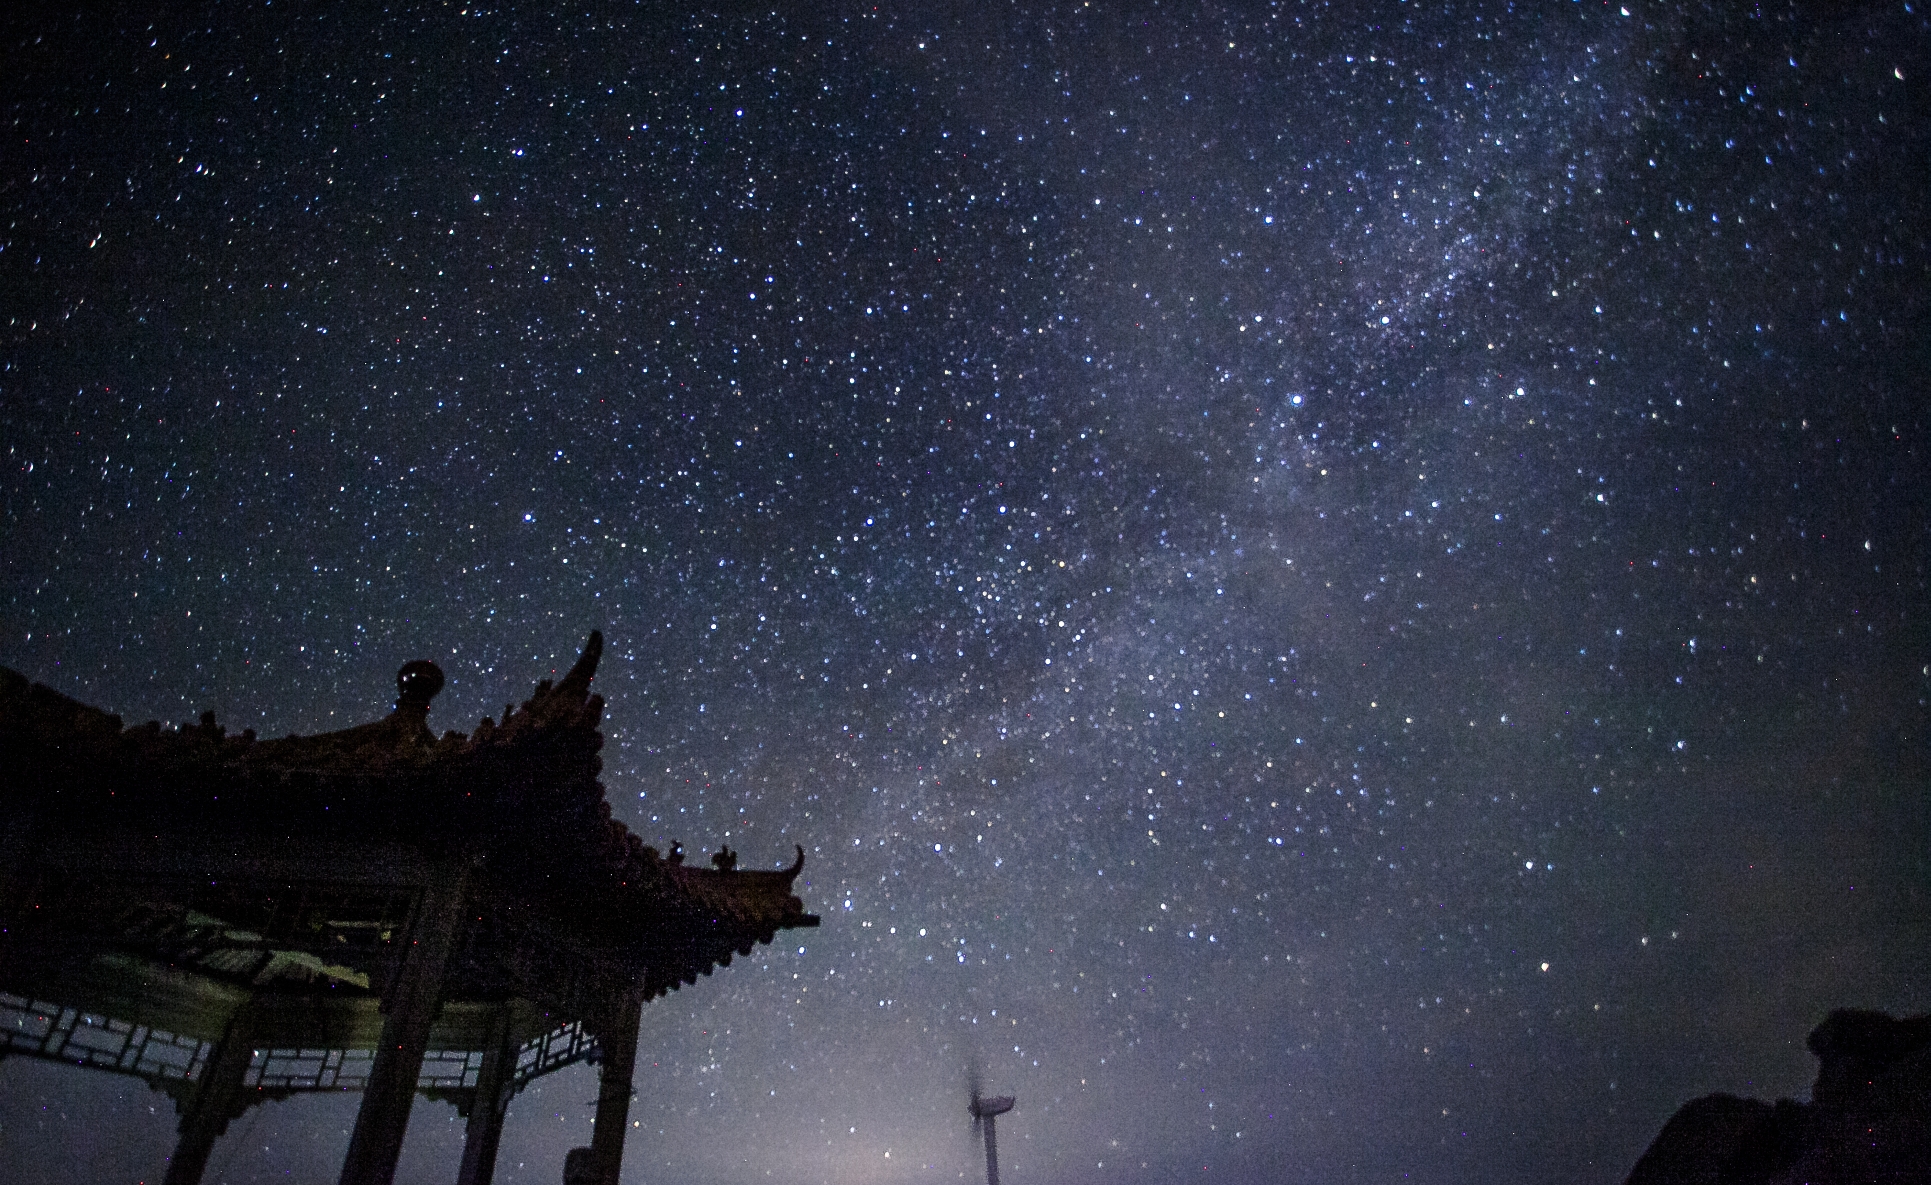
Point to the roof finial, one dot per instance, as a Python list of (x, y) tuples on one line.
[(417, 683)]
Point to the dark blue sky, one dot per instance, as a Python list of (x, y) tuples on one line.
[(1336, 592)]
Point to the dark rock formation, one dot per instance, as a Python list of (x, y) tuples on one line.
[(1869, 1118)]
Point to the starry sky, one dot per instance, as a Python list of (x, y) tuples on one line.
[(1335, 592)]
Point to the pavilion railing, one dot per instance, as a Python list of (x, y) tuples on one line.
[(53, 1032)]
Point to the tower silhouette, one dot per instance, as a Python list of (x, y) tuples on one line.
[(985, 1113)]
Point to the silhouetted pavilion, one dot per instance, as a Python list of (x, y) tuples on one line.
[(375, 909)]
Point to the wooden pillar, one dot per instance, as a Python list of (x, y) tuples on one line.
[(216, 1101), (485, 1130), (617, 1035), (412, 1004)]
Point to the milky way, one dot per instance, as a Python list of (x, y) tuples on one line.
[(1335, 593)]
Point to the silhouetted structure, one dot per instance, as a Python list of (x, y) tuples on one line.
[(985, 1114), (1869, 1118), (379, 909)]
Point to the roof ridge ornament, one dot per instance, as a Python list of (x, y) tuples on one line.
[(416, 684)]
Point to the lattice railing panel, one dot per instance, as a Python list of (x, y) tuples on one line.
[(41, 1029), (560, 1047)]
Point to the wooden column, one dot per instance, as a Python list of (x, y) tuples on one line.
[(485, 1130), (216, 1101), (617, 1034), (412, 1005)]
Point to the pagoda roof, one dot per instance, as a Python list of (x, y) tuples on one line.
[(162, 836)]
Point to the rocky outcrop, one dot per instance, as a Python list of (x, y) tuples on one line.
[(1868, 1121)]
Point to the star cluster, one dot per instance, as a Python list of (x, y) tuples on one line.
[(1334, 592)]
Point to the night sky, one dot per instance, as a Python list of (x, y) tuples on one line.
[(1334, 592)]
